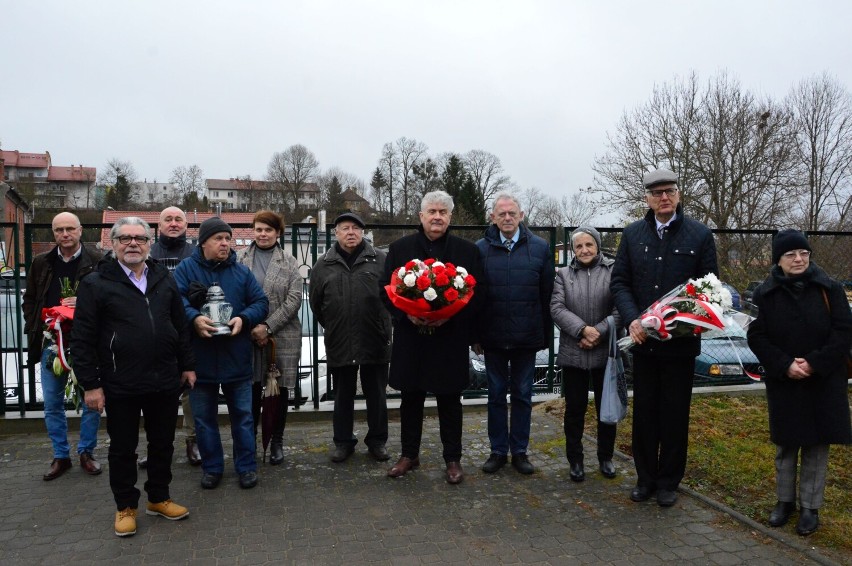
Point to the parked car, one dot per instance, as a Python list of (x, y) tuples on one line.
[(11, 335)]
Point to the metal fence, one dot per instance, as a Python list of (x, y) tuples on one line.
[(744, 260)]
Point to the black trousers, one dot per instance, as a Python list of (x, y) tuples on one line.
[(374, 382), (575, 388), (123, 413), (662, 393), (449, 419)]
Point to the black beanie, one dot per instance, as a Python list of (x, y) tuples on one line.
[(212, 225), (788, 240)]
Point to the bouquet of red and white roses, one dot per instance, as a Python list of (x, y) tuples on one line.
[(58, 321), (692, 308), (430, 289)]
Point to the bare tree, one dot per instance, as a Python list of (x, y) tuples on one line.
[(345, 179), (822, 114), (290, 170), (385, 195), (409, 154), (531, 200), (113, 169), (487, 173), (188, 180)]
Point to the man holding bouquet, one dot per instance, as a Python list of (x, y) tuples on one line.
[(656, 254), (431, 355)]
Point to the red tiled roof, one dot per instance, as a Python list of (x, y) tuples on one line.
[(195, 218), (15, 158), (75, 173)]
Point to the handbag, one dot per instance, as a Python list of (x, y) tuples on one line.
[(614, 394), (849, 355)]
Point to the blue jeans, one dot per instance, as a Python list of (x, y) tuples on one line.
[(204, 399), (53, 390), (517, 380)]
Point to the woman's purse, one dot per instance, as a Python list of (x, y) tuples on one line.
[(614, 394)]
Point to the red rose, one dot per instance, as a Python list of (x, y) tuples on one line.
[(423, 282), (470, 281), (449, 265), (410, 265), (438, 269), (451, 272), (442, 280), (429, 261), (690, 289), (451, 294)]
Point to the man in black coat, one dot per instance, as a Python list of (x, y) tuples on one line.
[(170, 249), (128, 310), (656, 254), (432, 356)]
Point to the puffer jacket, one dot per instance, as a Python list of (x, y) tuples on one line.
[(519, 285), (223, 359), (581, 298), (647, 267), (128, 342), (346, 302)]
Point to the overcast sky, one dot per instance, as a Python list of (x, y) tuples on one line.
[(225, 84)]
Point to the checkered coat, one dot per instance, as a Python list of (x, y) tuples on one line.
[(283, 286)]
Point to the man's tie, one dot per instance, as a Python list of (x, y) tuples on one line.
[(661, 230), (508, 244)]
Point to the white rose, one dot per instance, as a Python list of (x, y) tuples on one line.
[(436, 264), (430, 294), (401, 273), (461, 271), (409, 280), (458, 282)]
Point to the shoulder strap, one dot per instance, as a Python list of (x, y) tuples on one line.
[(825, 299)]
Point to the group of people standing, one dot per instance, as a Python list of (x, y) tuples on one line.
[(130, 306)]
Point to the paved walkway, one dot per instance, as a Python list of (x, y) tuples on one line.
[(310, 511)]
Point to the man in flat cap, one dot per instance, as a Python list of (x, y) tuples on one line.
[(656, 254), (344, 296)]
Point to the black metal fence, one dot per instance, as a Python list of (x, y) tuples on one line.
[(744, 259)]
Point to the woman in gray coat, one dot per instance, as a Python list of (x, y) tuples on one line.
[(277, 271), (580, 305)]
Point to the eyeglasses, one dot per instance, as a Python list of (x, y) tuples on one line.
[(792, 255), (660, 192), (124, 240)]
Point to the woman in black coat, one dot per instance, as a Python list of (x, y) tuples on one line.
[(802, 336)]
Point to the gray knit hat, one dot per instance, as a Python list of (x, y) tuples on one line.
[(590, 231), (212, 225)]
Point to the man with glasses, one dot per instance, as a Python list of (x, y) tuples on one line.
[(62, 267), (344, 297), (655, 255), (128, 309), (170, 248)]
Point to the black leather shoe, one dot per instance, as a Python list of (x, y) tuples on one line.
[(379, 453), (210, 481), (494, 463), (607, 469), (276, 452), (341, 453), (808, 521), (522, 463), (781, 514), (577, 472), (58, 467), (89, 464), (193, 456), (641, 493), (666, 498), (248, 479)]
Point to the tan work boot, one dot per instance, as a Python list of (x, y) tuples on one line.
[(168, 509), (125, 522)]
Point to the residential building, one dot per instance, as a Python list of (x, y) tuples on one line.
[(33, 175), (251, 195)]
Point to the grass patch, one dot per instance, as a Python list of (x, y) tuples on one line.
[(731, 460)]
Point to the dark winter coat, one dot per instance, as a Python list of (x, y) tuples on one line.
[(647, 267), (223, 359), (797, 324), (516, 312), (581, 298), (167, 248), (127, 342), (347, 303), (39, 279), (437, 362)]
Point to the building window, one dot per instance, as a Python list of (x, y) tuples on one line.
[(230, 194)]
